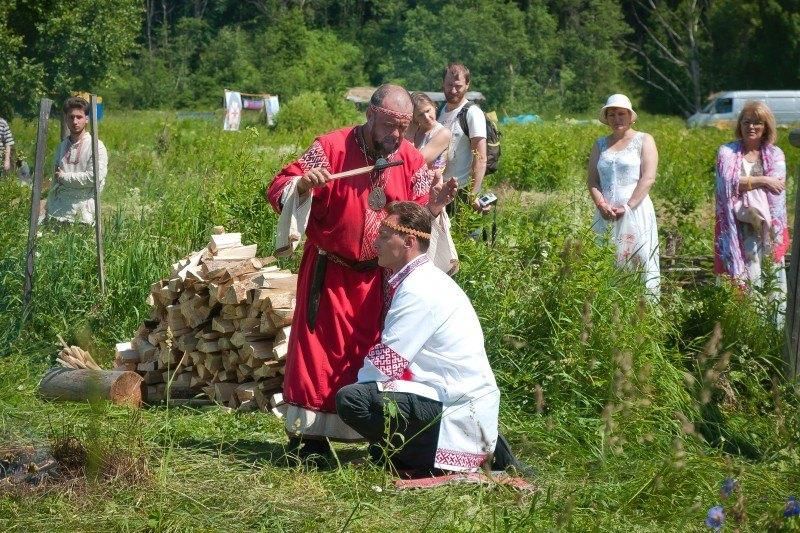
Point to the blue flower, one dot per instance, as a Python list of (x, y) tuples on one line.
[(792, 507), (715, 518), (728, 487)]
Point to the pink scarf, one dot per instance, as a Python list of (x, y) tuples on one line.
[(728, 240)]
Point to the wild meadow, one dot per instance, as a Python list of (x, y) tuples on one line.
[(632, 414)]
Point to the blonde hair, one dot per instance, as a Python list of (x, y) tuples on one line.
[(761, 112)]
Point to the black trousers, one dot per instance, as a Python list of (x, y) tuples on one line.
[(403, 426)]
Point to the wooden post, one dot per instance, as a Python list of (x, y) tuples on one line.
[(36, 197), (98, 227), (792, 331)]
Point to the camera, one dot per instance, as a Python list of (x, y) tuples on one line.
[(487, 199)]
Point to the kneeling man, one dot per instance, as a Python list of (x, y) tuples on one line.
[(427, 385)]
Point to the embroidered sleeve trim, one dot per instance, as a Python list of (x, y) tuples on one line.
[(387, 360), (422, 180), (315, 157), (458, 459)]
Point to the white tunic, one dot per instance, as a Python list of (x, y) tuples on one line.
[(432, 346), (71, 199)]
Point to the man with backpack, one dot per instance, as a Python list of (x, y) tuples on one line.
[(467, 153)]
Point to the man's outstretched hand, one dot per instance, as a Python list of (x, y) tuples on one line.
[(442, 193)]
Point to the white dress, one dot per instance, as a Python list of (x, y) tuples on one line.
[(619, 173)]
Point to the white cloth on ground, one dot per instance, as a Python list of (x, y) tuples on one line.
[(619, 174), (71, 198), (432, 345)]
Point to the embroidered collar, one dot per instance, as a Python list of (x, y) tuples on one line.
[(403, 273)]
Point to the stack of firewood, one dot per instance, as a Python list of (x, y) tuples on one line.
[(219, 327)]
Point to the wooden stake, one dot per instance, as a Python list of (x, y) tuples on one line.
[(36, 197), (792, 326), (98, 228)]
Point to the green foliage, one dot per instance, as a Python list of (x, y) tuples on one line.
[(314, 112), (294, 58), (62, 47), (545, 157)]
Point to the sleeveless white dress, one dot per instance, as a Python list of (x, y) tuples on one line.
[(441, 159), (619, 173)]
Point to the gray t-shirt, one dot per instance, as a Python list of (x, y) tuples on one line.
[(459, 153)]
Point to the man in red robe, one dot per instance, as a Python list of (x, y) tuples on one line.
[(341, 294)]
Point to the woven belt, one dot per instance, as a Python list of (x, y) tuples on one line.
[(320, 266), (358, 266)]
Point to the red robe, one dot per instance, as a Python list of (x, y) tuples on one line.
[(351, 304)]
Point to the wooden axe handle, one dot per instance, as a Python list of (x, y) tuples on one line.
[(354, 172)]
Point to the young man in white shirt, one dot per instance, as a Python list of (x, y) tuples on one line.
[(466, 155), (430, 365), (71, 198)]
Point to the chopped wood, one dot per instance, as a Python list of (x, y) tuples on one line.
[(147, 367), (246, 391), (258, 349), (223, 241), (237, 252), (211, 327), (153, 377), (283, 335), (222, 325), (276, 399), (279, 351), (224, 391)]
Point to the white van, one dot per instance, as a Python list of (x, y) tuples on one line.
[(723, 108)]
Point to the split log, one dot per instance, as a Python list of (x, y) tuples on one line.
[(121, 388), (223, 241)]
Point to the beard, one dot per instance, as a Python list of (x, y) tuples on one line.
[(454, 99), (386, 145)]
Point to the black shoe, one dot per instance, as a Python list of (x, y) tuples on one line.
[(505, 460)]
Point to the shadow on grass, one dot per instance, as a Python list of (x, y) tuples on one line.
[(258, 452)]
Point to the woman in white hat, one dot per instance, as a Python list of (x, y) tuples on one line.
[(622, 169)]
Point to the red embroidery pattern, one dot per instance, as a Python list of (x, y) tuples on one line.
[(387, 360), (372, 224), (422, 180), (314, 157), (390, 386), (459, 459)]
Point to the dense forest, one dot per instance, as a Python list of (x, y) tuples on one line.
[(540, 56)]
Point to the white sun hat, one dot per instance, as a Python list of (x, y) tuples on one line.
[(617, 100)]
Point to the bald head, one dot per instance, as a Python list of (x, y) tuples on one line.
[(388, 116), (392, 97)]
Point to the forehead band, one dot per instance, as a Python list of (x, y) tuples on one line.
[(405, 229), (389, 113)]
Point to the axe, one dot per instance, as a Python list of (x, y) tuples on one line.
[(380, 164)]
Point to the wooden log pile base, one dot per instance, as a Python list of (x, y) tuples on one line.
[(218, 327)]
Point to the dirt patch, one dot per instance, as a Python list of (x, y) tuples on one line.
[(65, 462)]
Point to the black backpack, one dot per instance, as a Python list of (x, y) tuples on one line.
[(492, 138)]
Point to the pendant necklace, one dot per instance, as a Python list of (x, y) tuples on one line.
[(377, 196)]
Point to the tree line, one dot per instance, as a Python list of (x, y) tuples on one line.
[(540, 56)]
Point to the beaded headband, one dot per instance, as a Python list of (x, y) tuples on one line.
[(388, 112), (406, 229)]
